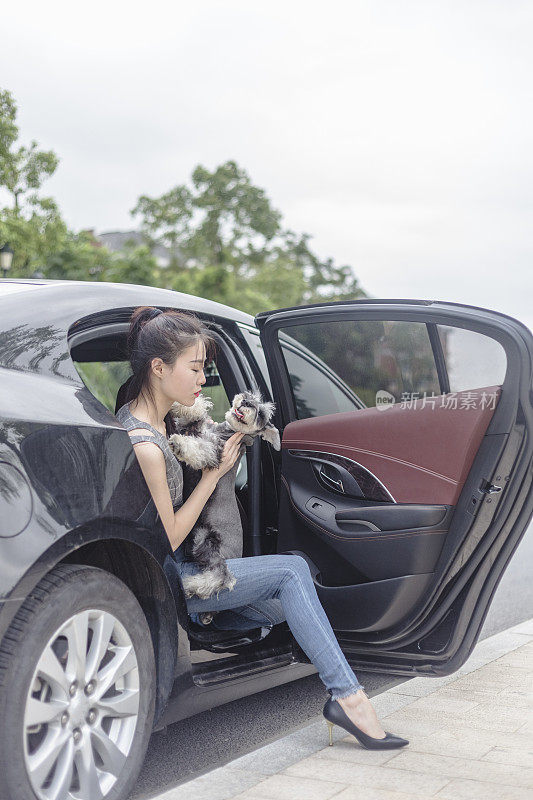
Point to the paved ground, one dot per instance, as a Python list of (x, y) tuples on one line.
[(471, 736), (211, 739)]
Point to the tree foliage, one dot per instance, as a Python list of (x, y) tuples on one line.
[(32, 224), (225, 239), (34, 228), (22, 169), (227, 242)]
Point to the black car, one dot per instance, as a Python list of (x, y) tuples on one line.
[(404, 480)]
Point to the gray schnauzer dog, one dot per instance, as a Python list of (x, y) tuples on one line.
[(198, 443)]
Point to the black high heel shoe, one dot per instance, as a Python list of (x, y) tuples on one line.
[(335, 715)]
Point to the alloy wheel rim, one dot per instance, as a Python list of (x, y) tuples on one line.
[(81, 709)]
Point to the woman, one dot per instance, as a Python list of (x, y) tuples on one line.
[(167, 352)]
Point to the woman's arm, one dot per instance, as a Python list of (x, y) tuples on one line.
[(178, 524)]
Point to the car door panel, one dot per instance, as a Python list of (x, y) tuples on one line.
[(380, 542), (402, 446), (361, 483), (380, 604), (382, 574), (387, 518), (406, 554), (348, 552)]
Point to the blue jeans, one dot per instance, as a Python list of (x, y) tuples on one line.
[(271, 589)]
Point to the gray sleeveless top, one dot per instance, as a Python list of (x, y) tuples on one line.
[(174, 469)]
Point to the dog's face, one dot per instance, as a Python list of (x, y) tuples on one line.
[(249, 414)]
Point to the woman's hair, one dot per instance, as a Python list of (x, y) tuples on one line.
[(164, 334)]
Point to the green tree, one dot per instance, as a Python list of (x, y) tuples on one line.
[(32, 224), (226, 240), (133, 265), (77, 258), (34, 236), (227, 243)]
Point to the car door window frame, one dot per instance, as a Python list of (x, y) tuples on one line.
[(281, 382), (237, 374), (232, 374)]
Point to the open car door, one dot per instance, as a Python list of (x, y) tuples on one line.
[(406, 468)]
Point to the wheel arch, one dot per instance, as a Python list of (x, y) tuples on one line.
[(119, 547), (145, 578)]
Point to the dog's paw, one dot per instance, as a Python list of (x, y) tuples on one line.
[(230, 582), (178, 442), (201, 585), (187, 414), (188, 587), (207, 582), (195, 452), (271, 434)]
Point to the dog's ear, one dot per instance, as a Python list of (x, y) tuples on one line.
[(271, 434)]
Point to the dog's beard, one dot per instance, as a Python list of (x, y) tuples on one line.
[(240, 425), (246, 416)]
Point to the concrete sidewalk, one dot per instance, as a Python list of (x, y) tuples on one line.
[(470, 733)]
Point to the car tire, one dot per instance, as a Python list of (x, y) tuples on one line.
[(77, 689)]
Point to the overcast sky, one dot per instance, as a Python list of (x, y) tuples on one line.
[(397, 132)]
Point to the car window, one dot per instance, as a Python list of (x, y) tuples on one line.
[(377, 361), (104, 379), (316, 390), (473, 360), (253, 341), (214, 388)]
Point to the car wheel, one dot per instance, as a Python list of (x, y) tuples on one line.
[(77, 690)]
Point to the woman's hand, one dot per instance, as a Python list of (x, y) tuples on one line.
[(230, 454)]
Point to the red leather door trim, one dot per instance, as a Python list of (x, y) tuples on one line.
[(421, 452)]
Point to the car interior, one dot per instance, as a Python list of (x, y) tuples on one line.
[(102, 364), (374, 542)]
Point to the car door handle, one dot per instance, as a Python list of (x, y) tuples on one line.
[(333, 483), (336, 478)]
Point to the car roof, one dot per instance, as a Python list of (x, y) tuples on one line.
[(95, 296)]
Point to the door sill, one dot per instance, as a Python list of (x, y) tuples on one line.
[(240, 666)]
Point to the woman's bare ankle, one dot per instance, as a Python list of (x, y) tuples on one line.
[(360, 710), (353, 700)]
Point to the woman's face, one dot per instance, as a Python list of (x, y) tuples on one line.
[(183, 381)]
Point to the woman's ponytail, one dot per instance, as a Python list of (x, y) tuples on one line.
[(139, 318), (164, 334)]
